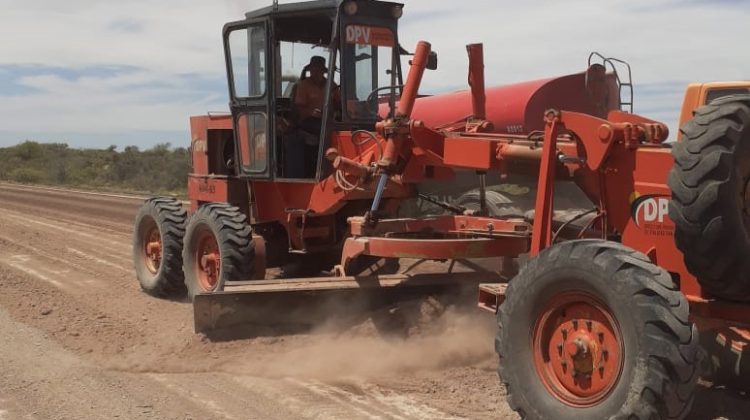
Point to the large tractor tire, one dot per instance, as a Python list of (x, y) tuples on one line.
[(219, 248), (710, 204), (157, 246), (591, 329)]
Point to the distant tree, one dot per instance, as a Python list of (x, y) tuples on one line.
[(29, 150), (61, 175)]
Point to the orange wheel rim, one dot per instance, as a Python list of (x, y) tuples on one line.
[(152, 249), (208, 260), (577, 349)]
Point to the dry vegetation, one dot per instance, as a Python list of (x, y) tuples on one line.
[(161, 169)]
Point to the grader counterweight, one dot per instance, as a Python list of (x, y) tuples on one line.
[(602, 322)]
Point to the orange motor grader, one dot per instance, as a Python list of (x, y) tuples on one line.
[(602, 321)]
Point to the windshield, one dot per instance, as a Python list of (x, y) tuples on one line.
[(369, 54)]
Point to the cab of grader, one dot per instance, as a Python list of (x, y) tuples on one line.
[(601, 322), (257, 159)]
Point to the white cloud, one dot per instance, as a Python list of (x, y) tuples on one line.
[(668, 43), (664, 41)]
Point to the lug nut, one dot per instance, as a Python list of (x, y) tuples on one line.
[(575, 324), (589, 325), (601, 337)]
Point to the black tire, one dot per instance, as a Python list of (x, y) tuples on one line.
[(710, 203), (498, 205), (166, 217), (228, 227), (727, 363), (660, 355)]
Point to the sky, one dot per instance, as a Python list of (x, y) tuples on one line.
[(94, 73)]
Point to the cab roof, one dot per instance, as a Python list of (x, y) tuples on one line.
[(327, 7)]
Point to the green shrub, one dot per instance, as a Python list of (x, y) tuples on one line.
[(27, 175)]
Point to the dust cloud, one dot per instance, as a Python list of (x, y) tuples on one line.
[(412, 336), (427, 334)]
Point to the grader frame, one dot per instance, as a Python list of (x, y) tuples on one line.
[(618, 159)]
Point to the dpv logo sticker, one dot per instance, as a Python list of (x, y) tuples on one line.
[(369, 35), (358, 34), (651, 214)]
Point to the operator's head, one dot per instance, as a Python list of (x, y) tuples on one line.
[(317, 68)]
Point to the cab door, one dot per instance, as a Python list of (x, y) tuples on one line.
[(246, 49)]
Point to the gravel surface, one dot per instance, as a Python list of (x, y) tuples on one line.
[(79, 340)]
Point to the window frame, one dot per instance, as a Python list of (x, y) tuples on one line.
[(249, 27), (242, 106)]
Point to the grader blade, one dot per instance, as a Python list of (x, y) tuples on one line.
[(267, 307)]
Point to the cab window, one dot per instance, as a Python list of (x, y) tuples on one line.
[(247, 49), (369, 50), (293, 57), (252, 130)]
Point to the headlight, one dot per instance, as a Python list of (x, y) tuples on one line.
[(397, 11), (350, 8)]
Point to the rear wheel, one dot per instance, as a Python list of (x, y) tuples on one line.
[(157, 246), (218, 248), (710, 205), (591, 329)]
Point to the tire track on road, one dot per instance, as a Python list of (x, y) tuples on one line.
[(27, 188), (19, 262), (98, 260), (97, 239), (51, 257), (373, 403)]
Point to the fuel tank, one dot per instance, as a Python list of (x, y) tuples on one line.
[(519, 108)]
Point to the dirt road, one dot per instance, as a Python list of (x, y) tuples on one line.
[(79, 340)]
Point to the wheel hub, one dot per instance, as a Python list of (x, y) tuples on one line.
[(208, 261), (581, 350), (577, 349), (152, 250)]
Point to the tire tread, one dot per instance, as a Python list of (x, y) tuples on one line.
[(235, 240), (171, 218), (703, 201)]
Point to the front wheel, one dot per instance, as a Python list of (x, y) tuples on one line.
[(218, 248), (591, 329)]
